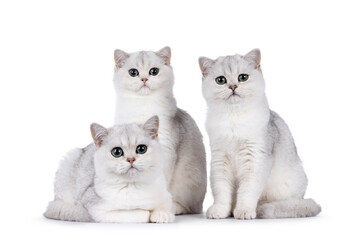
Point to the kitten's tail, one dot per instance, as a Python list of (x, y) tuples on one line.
[(291, 208)]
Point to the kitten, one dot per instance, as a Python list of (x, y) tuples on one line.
[(143, 82), (255, 168), (119, 178)]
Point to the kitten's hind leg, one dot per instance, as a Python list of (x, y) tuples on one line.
[(188, 178), (61, 210), (178, 209), (188, 184)]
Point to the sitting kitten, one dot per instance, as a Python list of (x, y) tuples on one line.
[(143, 82), (255, 169), (119, 178)]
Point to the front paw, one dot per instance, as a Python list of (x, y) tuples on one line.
[(218, 211), (244, 213), (162, 217)]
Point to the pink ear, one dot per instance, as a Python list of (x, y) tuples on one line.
[(165, 55), (120, 57), (254, 56), (152, 126), (205, 65), (98, 133)]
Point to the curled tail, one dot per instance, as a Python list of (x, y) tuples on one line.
[(291, 208)]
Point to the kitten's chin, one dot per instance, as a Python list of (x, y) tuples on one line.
[(233, 98), (133, 172), (144, 90), (129, 172)]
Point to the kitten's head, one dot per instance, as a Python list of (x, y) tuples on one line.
[(143, 72), (232, 79), (130, 151)]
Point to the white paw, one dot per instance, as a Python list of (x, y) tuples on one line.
[(218, 211), (244, 213), (178, 209), (162, 217)]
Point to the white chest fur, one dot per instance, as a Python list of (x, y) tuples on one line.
[(231, 125), (139, 109), (128, 196)]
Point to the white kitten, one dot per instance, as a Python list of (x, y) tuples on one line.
[(143, 82), (119, 178), (255, 169)]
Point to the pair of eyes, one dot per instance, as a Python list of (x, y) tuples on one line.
[(134, 72), (118, 152), (221, 80)]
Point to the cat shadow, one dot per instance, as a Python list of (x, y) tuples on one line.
[(189, 217), (196, 218)]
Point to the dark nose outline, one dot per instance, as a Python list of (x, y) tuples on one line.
[(233, 87), (131, 160)]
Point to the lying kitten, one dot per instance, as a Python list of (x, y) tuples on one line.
[(117, 179), (143, 82), (255, 169)]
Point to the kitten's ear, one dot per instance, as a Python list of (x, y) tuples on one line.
[(152, 126), (98, 133), (254, 56), (165, 55), (205, 65), (120, 57)]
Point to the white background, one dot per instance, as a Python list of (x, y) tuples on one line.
[(56, 65)]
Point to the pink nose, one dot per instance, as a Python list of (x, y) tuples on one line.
[(144, 79), (131, 160), (233, 87)]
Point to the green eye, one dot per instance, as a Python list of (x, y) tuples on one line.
[(154, 71), (117, 152), (220, 80), (133, 72), (141, 149), (243, 77)]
